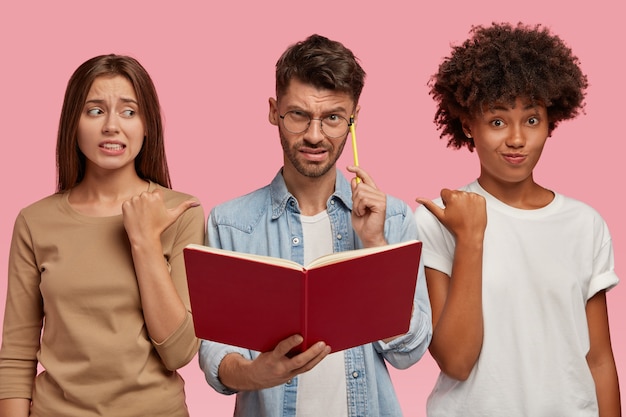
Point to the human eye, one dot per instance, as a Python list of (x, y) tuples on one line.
[(533, 121), (497, 123), (95, 111), (298, 115), (128, 113), (333, 119)]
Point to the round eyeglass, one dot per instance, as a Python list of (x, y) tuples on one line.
[(333, 126)]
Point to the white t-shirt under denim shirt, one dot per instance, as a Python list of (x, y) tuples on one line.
[(322, 390)]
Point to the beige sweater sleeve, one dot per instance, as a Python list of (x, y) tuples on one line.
[(23, 317), (180, 347)]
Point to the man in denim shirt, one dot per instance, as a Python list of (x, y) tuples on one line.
[(318, 84)]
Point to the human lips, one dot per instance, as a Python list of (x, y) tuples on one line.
[(313, 154), (112, 147), (514, 158)]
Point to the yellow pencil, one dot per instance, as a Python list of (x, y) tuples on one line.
[(354, 151)]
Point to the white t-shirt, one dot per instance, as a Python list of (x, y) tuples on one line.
[(322, 390), (539, 269)]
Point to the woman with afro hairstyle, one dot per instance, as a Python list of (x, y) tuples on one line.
[(516, 273)]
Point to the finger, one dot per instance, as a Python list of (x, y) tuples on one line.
[(365, 177), (158, 194), (446, 194), (184, 206), (284, 346), (368, 200), (144, 199), (432, 207), (311, 357)]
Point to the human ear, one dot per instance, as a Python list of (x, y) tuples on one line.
[(465, 125), (273, 111), (356, 112)]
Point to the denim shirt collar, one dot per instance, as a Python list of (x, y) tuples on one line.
[(280, 196)]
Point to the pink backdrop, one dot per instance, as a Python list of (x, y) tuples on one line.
[(213, 68)]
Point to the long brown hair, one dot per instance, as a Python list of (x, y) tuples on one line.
[(150, 163)]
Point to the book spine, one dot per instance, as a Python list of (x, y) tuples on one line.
[(305, 310)]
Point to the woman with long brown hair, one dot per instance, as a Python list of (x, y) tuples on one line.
[(97, 295)]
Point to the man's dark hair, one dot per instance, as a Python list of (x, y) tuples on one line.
[(322, 63)]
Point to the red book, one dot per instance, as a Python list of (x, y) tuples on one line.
[(345, 299)]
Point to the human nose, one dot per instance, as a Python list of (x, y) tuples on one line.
[(516, 139), (314, 133), (111, 124)]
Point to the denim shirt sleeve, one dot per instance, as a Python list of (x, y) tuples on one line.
[(211, 354), (407, 349), (242, 225)]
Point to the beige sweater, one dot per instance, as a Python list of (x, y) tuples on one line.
[(73, 306)]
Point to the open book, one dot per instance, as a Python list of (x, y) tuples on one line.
[(345, 299)]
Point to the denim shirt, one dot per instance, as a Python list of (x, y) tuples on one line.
[(267, 222)]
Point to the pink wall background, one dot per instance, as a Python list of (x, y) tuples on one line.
[(213, 68)]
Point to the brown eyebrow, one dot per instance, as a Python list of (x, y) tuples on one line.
[(334, 110), (123, 99)]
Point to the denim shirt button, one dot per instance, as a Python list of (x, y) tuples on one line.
[(332, 202), (295, 240), (355, 374), (339, 236), (289, 382)]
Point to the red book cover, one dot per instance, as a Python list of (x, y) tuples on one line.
[(345, 299)]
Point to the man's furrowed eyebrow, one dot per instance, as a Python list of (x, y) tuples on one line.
[(339, 109)]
